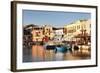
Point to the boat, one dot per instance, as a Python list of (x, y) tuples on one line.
[(61, 48), (50, 47)]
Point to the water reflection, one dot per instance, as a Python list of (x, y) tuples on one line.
[(38, 53)]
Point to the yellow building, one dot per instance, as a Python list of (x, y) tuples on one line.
[(48, 31), (77, 28), (37, 34)]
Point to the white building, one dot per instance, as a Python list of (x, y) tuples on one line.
[(58, 35)]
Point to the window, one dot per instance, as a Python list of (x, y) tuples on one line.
[(37, 34)]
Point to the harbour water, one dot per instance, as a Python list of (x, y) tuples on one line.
[(39, 54)]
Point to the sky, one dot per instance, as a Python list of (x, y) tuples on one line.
[(53, 18)]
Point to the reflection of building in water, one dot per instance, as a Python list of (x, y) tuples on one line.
[(49, 55), (77, 29), (38, 53)]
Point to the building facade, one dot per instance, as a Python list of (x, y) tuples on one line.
[(48, 31), (77, 30), (44, 33), (37, 34), (58, 35)]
